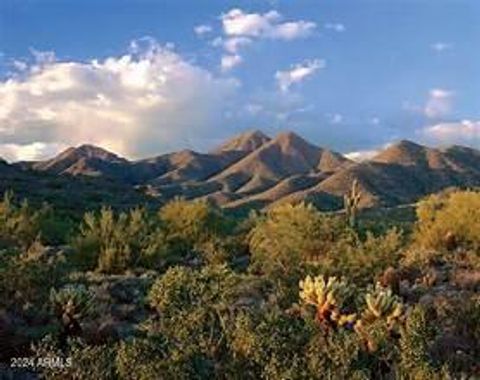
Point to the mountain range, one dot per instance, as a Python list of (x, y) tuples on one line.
[(255, 170)]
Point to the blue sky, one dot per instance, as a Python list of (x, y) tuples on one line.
[(146, 77)]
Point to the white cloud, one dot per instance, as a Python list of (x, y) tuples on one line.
[(362, 155), (230, 61), (337, 27), (298, 73), (440, 47), (141, 103), (240, 29), (462, 132), (43, 57), (439, 103), (233, 45), (267, 25), (28, 152), (19, 65), (201, 30)]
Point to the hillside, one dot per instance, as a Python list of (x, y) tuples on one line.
[(254, 170)]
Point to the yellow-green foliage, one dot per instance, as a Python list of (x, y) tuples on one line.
[(414, 343), (364, 260), (190, 221), (381, 303), (114, 243), (18, 224), (449, 219), (292, 234)]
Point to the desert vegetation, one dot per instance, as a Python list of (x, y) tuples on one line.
[(190, 291)]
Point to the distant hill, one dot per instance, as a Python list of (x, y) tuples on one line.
[(85, 160), (254, 170)]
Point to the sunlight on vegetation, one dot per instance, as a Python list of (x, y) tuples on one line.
[(189, 291)]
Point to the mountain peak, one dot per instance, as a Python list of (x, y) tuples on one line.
[(288, 135), (403, 152), (92, 151), (245, 142), (84, 159), (289, 138)]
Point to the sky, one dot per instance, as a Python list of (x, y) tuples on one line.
[(147, 77)]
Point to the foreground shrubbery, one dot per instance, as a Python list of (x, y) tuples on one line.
[(292, 293)]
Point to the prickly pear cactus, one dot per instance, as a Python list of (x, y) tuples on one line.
[(328, 296)]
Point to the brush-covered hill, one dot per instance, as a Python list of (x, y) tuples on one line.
[(86, 160), (255, 170), (402, 173)]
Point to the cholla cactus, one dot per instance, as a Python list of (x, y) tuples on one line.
[(383, 309), (351, 200), (71, 304), (327, 295), (382, 303)]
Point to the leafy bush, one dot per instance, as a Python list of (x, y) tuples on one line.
[(365, 260), (449, 219), (188, 223), (21, 225), (114, 243), (290, 235)]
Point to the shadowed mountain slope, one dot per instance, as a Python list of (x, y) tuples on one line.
[(286, 155), (86, 160), (253, 170)]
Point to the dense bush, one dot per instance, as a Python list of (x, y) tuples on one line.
[(449, 219), (290, 293), (113, 243), (21, 225), (289, 235)]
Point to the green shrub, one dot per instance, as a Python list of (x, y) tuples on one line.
[(195, 313), (115, 243), (449, 219), (416, 338), (363, 261), (22, 224), (76, 360), (189, 223), (290, 235)]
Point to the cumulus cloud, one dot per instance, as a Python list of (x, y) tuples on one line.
[(28, 152), (203, 29), (298, 73), (463, 132), (267, 25), (144, 102), (439, 103), (233, 45), (230, 61), (240, 29)]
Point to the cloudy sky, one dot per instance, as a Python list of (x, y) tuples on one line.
[(146, 77)]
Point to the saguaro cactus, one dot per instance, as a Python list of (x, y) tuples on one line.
[(351, 200)]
